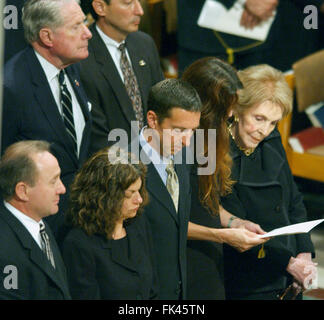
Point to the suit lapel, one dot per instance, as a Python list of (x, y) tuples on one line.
[(44, 96), (35, 253), (110, 73), (158, 190)]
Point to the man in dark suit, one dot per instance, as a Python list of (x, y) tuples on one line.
[(174, 113), (30, 262), (107, 82), (43, 96)]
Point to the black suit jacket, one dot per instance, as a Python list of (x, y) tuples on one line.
[(112, 107), (37, 279), (30, 113), (169, 228), (97, 269)]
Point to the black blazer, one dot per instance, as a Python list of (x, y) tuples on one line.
[(30, 113), (265, 193), (169, 229), (37, 279), (97, 269), (112, 107)]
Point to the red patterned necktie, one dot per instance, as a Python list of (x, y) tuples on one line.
[(131, 85)]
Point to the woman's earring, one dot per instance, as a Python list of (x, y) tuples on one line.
[(236, 118)]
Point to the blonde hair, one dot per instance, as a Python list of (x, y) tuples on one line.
[(263, 83)]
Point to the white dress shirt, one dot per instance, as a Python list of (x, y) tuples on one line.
[(52, 73), (30, 224), (112, 47)]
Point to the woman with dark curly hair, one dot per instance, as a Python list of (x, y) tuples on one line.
[(108, 252)]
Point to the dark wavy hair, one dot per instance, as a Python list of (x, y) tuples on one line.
[(216, 83), (98, 191)]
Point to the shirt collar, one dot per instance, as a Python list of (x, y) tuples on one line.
[(30, 224), (107, 40), (50, 70), (154, 155)]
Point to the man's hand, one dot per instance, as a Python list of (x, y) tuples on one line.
[(263, 9), (248, 20)]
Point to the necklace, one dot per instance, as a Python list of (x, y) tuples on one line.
[(246, 151)]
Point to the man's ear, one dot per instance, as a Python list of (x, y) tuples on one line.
[(99, 7), (21, 191), (152, 119), (46, 37)]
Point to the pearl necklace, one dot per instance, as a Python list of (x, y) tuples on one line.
[(247, 151)]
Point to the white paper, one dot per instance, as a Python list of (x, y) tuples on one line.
[(303, 227), (216, 17)]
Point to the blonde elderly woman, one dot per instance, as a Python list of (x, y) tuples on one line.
[(264, 192)]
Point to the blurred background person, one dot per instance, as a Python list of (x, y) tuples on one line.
[(288, 40), (108, 252)]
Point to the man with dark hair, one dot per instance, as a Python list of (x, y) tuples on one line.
[(43, 96), (174, 109), (173, 115), (30, 185), (122, 66)]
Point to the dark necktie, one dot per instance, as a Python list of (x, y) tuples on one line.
[(67, 110), (131, 85), (46, 247), (172, 184)]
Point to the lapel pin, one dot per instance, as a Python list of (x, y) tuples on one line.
[(142, 63), (77, 83)]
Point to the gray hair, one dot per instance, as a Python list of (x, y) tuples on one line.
[(37, 14)]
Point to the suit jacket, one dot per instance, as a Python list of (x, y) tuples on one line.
[(169, 229), (37, 279), (265, 193), (98, 269), (112, 107), (31, 113)]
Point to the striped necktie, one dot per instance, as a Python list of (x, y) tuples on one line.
[(172, 184), (67, 110), (131, 85), (46, 247)]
